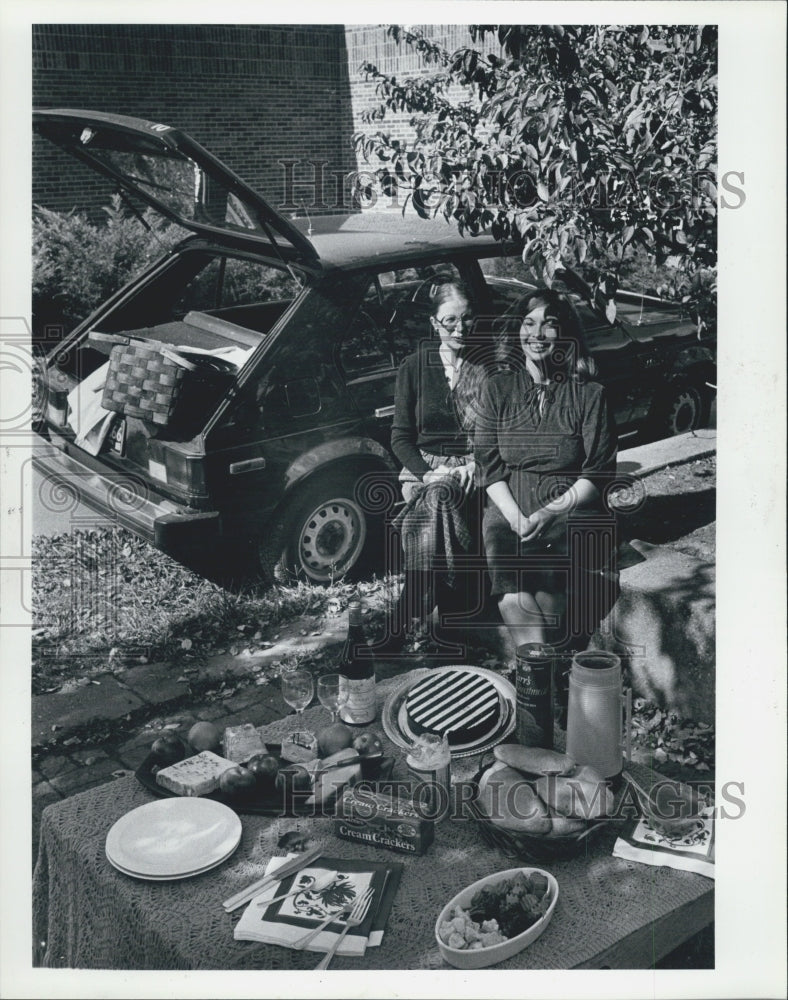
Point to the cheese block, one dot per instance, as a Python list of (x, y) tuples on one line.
[(242, 742), (329, 783), (464, 705), (198, 775)]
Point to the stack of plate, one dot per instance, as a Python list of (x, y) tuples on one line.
[(173, 838), (399, 731)]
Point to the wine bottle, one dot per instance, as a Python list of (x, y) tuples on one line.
[(356, 673)]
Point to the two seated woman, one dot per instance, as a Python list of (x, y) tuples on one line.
[(518, 450)]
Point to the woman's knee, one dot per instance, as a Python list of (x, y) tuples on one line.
[(515, 602)]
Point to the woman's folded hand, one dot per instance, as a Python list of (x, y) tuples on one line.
[(464, 474), (437, 475), (538, 524)]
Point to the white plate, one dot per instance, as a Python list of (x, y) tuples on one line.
[(173, 838), (394, 718), (172, 878)]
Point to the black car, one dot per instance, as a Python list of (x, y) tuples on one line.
[(241, 390)]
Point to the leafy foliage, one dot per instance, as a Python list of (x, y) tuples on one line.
[(583, 143), (105, 597), (77, 264), (666, 737)]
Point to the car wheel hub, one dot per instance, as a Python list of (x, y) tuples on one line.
[(331, 538), (684, 413)]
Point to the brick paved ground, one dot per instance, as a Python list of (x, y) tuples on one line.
[(64, 771)]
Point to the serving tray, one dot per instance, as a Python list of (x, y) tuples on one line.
[(395, 722), (254, 803)]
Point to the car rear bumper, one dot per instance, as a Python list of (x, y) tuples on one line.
[(126, 499)]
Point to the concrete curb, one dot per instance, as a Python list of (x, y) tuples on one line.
[(142, 690)]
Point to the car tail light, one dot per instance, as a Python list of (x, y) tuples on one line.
[(180, 470), (57, 408)]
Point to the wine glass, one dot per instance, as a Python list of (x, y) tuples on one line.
[(298, 689), (331, 693)]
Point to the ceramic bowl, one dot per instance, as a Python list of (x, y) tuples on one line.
[(480, 958)]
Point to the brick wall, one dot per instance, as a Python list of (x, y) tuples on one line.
[(255, 95), (371, 43), (252, 94)]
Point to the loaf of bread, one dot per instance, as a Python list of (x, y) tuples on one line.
[(242, 742), (198, 775)]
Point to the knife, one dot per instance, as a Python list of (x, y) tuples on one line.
[(288, 868)]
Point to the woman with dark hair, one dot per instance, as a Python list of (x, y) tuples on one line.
[(545, 447), (435, 403)]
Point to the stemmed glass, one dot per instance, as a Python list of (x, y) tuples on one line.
[(331, 693), (298, 689)]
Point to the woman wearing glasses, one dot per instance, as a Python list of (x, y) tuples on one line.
[(435, 402), (545, 445)]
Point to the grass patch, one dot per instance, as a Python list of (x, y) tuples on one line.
[(103, 597)]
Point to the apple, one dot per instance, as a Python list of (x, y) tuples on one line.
[(237, 781), (169, 748), (367, 744), (265, 768)]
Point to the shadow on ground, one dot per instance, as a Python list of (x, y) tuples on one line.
[(664, 519)]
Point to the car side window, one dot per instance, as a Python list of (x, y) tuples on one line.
[(366, 347), (226, 282), (406, 300)]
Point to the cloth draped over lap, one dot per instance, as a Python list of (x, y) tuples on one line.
[(433, 524)]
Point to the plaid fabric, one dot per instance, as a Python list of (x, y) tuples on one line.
[(432, 524)]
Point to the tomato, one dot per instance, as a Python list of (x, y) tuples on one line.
[(265, 768), (237, 781), (169, 748), (367, 744)]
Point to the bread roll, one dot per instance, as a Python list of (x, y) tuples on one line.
[(509, 801), (534, 761)]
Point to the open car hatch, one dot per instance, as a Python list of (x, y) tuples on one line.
[(171, 172)]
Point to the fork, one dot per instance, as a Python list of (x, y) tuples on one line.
[(302, 942), (353, 919)]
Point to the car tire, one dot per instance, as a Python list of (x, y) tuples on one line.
[(682, 410), (320, 537)]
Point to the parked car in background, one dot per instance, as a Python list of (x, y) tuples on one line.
[(241, 390)]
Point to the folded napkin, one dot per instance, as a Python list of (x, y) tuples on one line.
[(285, 922), (89, 420), (691, 853)]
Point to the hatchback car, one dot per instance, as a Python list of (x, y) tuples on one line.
[(241, 389)]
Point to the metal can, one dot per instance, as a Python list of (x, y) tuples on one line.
[(429, 768), (534, 687)]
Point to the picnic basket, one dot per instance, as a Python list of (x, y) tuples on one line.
[(155, 383)]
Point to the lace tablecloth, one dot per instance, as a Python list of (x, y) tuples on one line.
[(88, 915)]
